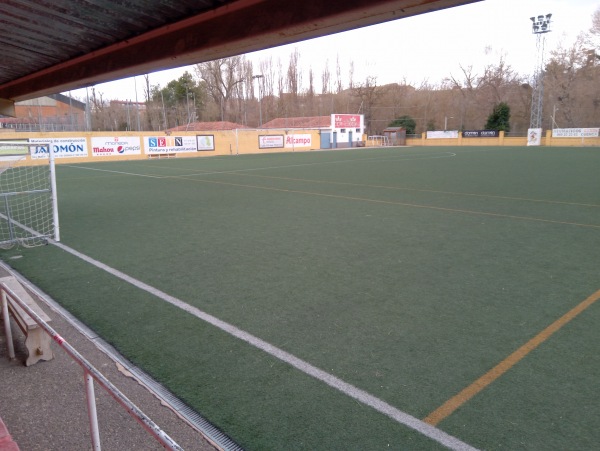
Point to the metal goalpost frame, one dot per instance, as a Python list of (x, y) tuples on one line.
[(14, 164), (54, 194)]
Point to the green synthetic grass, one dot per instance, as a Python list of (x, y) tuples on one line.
[(261, 402), (406, 272)]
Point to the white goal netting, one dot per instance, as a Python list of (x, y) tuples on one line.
[(28, 215)]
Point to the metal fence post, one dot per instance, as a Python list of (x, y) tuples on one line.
[(92, 414)]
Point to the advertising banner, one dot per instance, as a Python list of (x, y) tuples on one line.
[(346, 120), (12, 147), (534, 137), (114, 146), (205, 142), (270, 141), (170, 144), (61, 147), (480, 134), (295, 141), (575, 132), (438, 134)]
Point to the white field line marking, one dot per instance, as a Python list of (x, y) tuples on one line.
[(398, 158), (399, 188), (355, 160), (379, 201), (116, 172), (350, 390), (450, 154)]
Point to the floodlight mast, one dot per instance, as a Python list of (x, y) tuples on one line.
[(540, 26)]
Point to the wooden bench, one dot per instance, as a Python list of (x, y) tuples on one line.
[(37, 341), (162, 155)]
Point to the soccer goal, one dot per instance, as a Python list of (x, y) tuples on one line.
[(378, 141), (28, 202)]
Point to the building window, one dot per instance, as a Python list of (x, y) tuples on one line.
[(342, 130)]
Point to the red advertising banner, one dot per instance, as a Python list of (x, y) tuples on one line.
[(346, 120)]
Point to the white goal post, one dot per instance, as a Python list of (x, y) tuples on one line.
[(28, 199), (378, 140)]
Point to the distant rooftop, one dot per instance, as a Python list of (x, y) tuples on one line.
[(299, 122), (204, 126)]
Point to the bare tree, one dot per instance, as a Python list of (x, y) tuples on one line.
[(572, 86), (222, 77), (339, 85), (466, 85), (593, 37), (267, 88), (368, 94), (310, 93), (351, 75), (497, 80), (326, 79), (294, 75)]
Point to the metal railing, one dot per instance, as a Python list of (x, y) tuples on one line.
[(91, 374)]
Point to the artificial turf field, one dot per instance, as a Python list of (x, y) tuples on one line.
[(424, 278)]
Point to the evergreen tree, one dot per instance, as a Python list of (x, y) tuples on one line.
[(499, 119), (406, 122)]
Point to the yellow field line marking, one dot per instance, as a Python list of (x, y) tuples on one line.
[(388, 202), (399, 188), (241, 172), (466, 394)]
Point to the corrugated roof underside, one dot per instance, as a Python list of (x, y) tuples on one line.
[(40, 34)]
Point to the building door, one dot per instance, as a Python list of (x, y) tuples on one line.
[(325, 140)]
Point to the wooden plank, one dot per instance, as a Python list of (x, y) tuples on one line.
[(37, 341)]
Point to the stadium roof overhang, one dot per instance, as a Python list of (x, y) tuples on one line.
[(51, 47)]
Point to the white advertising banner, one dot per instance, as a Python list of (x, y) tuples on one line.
[(61, 147), (575, 132), (115, 146), (438, 134), (534, 137), (295, 141), (270, 141), (205, 142), (170, 144)]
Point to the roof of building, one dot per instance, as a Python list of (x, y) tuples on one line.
[(206, 126), (299, 122), (68, 100), (51, 101)]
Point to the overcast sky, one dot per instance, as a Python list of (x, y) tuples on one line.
[(428, 47)]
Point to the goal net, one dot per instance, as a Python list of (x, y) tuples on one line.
[(378, 141), (28, 209)]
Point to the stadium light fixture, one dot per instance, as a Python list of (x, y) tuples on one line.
[(541, 23)]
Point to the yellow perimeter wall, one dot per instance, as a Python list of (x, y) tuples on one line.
[(226, 142), (246, 141), (502, 140)]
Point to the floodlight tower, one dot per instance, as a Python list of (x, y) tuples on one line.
[(540, 26)]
